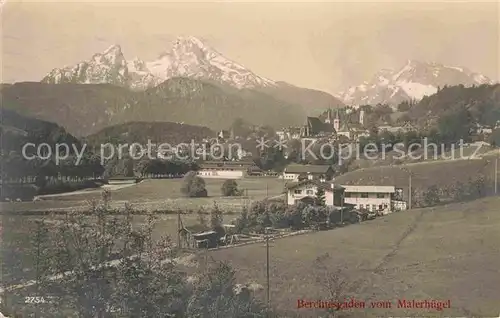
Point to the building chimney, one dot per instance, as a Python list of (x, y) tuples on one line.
[(361, 117)]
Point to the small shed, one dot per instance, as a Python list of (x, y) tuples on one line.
[(208, 239)]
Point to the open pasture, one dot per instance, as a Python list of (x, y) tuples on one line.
[(445, 253), (161, 194), (424, 174)]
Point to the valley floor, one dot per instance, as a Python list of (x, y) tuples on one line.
[(156, 194), (445, 253)]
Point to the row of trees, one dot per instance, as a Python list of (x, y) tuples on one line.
[(17, 169), (279, 215)]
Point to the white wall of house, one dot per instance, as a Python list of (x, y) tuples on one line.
[(369, 201), (221, 174), (399, 205), (307, 190), (372, 198), (290, 176), (346, 134), (295, 176)]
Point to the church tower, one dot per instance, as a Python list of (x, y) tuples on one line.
[(362, 117), (336, 122), (328, 119)]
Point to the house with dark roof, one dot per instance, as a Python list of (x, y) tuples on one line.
[(305, 191), (296, 172), (315, 127)]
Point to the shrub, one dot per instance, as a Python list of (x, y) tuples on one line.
[(320, 197), (216, 220), (242, 223), (193, 186), (477, 188), (431, 196), (230, 188), (314, 214)]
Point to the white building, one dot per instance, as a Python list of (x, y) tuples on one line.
[(224, 169), (294, 172), (281, 134), (399, 205), (372, 198), (306, 191), (222, 174)]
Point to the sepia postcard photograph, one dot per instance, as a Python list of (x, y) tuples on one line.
[(249, 159)]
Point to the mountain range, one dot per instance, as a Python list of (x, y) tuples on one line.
[(188, 57), (194, 84), (84, 109), (413, 81)]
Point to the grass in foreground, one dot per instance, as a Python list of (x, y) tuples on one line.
[(19, 250), (447, 253)]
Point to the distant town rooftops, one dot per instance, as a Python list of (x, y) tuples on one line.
[(297, 168)]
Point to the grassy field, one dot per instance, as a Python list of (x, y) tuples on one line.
[(162, 194), (158, 194), (421, 156), (447, 253), (424, 174), (155, 194)]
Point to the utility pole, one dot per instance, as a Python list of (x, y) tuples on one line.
[(179, 229), (267, 272), (342, 208), (409, 192), (496, 175), (267, 189), (37, 265)]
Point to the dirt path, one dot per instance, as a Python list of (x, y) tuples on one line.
[(111, 187)]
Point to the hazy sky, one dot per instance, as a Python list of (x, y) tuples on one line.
[(322, 45)]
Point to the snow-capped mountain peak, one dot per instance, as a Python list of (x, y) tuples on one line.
[(114, 49), (413, 81), (188, 57), (107, 67)]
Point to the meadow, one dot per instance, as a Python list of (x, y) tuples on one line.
[(443, 173), (445, 253), (158, 195), (391, 158)]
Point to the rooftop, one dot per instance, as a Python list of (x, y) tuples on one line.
[(297, 168), (316, 125), (369, 189), (327, 186)]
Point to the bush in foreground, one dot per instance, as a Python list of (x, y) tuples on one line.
[(193, 186), (230, 189)]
